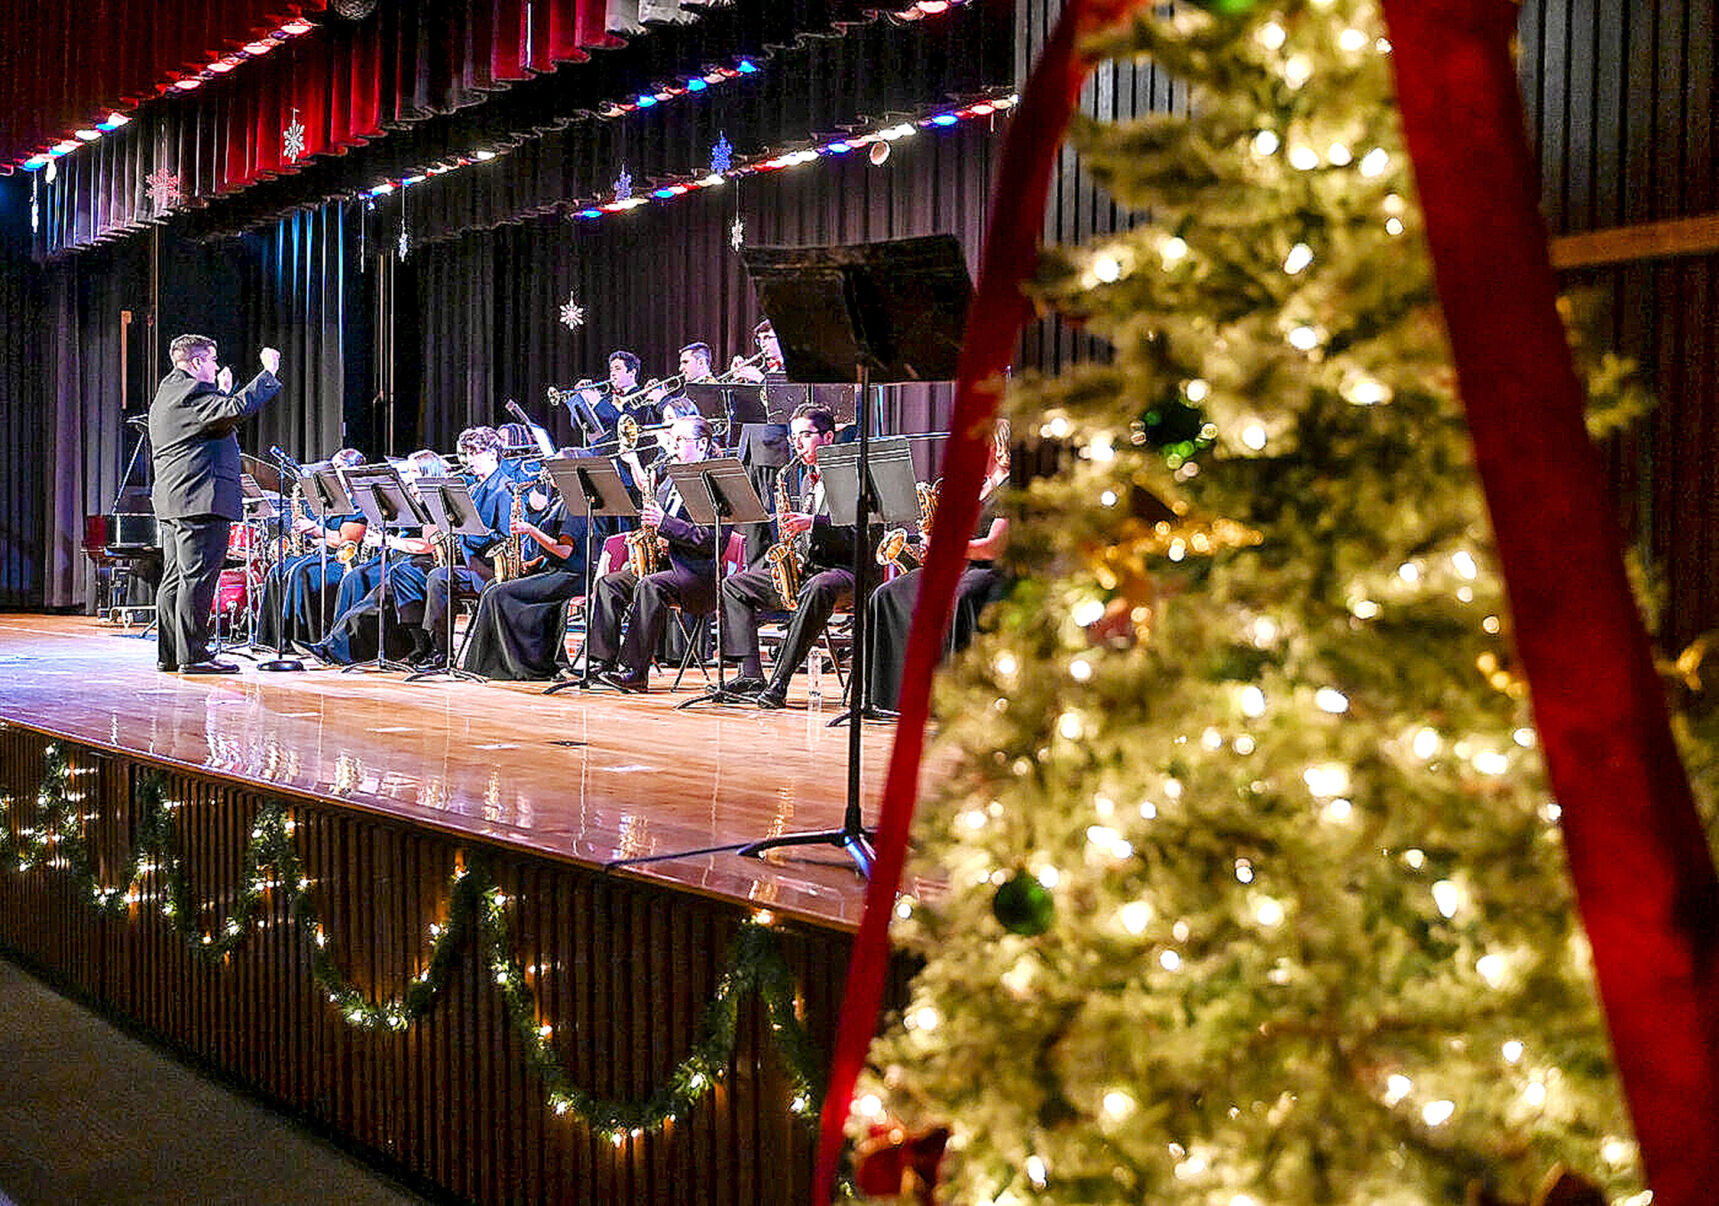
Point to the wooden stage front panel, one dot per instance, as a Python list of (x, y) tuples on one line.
[(389, 787)]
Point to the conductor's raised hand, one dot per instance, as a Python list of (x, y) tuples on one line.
[(224, 379), (271, 358)]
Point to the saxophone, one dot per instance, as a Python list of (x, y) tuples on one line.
[(893, 547), (784, 556), (510, 557), (297, 541), (644, 547)]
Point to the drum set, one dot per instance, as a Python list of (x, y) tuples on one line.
[(253, 545)]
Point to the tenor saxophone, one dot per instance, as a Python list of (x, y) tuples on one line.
[(784, 556)]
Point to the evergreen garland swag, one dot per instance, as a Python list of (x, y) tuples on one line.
[(477, 913)]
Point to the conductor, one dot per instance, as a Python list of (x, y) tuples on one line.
[(197, 494)]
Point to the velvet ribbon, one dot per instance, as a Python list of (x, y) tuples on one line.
[(1643, 876), (998, 312)]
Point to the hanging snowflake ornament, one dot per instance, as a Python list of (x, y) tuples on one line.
[(623, 185), (292, 139), (721, 155), (572, 313), (737, 233), (35, 210), (164, 192), (405, 243)]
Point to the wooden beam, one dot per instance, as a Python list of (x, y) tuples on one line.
[(1647, 241)]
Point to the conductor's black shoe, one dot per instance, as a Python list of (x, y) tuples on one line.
[(773, 698), (745, 686), (209, 667), (632, 684)]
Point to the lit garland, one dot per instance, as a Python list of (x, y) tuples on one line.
[(477, 910)]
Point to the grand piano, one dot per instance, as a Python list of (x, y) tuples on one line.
[(125, 547)]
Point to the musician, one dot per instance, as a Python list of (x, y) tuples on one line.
[(197, 495), (982, 583), (689, 579), (694, 368), (352, 634), (827, 579), (520, 629), (773, 368), (594, 410), (471, 565), (308, 595)]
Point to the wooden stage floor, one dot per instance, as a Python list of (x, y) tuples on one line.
[(587, 779)]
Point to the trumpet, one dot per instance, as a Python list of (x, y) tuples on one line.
[(753, 361), (560, 397), (668, 385)]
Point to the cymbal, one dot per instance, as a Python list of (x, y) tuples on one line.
[(267, 475)]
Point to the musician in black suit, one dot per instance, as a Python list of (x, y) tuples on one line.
[(688, 581), (197, 493), (827, 579)]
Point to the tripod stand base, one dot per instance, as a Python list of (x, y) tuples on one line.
[(857, 843), (718, 695), (453, 672), (281, 664), (379, 663), (869, 712)]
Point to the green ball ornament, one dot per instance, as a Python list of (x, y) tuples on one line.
[(1023, 906), (1226, 8)]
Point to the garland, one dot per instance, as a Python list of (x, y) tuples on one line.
[(477, 911)]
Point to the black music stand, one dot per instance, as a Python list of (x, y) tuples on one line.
[(590, 486), (890, 479), (326, 496), (732, 403), (868, 313), (449, 503), (383, 498), (280, 661), (255, 507), (718, 492)]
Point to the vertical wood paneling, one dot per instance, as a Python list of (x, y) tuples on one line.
[(622, 973)]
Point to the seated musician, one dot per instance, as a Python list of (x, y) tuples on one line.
[(826, 560), (520, 629), (982, 583), (352, 637), (310, 579), (687, 580), (593, 405), (694, 367), (470, 567)]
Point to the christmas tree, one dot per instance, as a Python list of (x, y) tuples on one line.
[(1255, 889)]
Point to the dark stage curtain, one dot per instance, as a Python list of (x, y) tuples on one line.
[(27, 441), (290, 288)]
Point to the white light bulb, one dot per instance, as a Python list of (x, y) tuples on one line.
[(871, 1105), (1118, 1104), (1437, 1113), (1172, 250), (1491, 763), (1393, 226), (1169, 960), (1244, 871), (1332, 701), (1088, 612), (1364, 391), (1108, 498), (1136, 915), (1253, 437), (1080, 670), (1298, 258), (1512, 1051), (1491, 968), (1409, 572), (1106, 269), (1272, 36), (926, 1017), (1303, 338), (1303, 158), (1397, 1088), (1339, 810), (1535, 1094), (1036, 1172), (1251, 701), (1365, 609), (1338, 154), (1196, 390), (1297, 70), (1330, 779), (1352, 40), (1463, 560), (1448, 897), (1524, 737), (1048, 876), (1268, 912), (1266, 143), (1426, 743)]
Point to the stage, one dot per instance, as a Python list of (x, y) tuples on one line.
[(393, 787)]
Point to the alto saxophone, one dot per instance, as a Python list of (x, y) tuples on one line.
[(893, 547), (510, 557), (784, 556), (297, 541), (644, 547)]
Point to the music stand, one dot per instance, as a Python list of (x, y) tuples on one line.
[(449, 503), (892, 482), (383, 498), (255, 508), (590, 486), (865, 313), (718, 492), (280, 661), (734, 403), (326, 496)]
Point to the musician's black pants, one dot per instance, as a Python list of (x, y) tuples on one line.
[(193, 551)]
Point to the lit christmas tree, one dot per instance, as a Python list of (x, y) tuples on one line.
[(1256, 893)]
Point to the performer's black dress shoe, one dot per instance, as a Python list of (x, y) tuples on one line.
[(320, 652), (434, 660), (748, 685), (773, 698), (632, 684), (209, 667)]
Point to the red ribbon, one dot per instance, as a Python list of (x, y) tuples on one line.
[(1638, 857), (998, 312)]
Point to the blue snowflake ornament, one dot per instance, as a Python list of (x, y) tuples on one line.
[(623, 185), (721, 155)]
